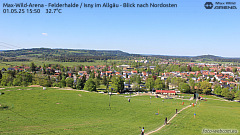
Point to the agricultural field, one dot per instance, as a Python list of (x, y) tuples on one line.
[(59, 111), (41, 62)]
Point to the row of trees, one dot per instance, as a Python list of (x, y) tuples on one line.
[(192, 87), (12, 78), (228, 94)]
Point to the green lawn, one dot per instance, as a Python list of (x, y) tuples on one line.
[(210, 114), (52, 111)]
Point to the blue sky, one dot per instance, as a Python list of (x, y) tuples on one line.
[(188, 30)]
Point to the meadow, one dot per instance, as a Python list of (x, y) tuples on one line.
[(210, 114), (55, 111), (40, 62)]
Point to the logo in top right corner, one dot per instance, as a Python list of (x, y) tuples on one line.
[(220, 5)]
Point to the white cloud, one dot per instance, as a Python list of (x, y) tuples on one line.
[(44, 34)]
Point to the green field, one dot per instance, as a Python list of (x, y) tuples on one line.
[(210, 114), (53, 111), (68, 64), (40, 63)]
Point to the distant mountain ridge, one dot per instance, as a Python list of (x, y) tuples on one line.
[(207, 57), (65, 52), (86, 55)]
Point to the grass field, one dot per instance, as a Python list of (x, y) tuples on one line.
[(210, 114), (53, 111), (40, 63), (68, 64)]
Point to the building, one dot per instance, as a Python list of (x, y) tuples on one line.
[(166, 92)]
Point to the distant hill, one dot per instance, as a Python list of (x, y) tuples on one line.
[(207, 57), (81, 55), (64, 52), (215, 58), (63, 55)]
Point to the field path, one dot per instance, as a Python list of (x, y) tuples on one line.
[(168, 121)]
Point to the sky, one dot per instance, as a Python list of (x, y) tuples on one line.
[(188, 30)]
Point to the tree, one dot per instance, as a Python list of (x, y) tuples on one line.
[(80, 84), (84, 79), (92, 75), (237, 95), (192, 84), (63, 83), (69, 82), (97, 82), (45, 82), (7, 80), (118, 83), (22, 79), (98, 76), (90, 85), (206, 87), (230, 96), (225, 92), (167, 82), (135, 86), (217, 90), (184, 87), (150, 83), (105, 81), (33, 66), (199, 91), (159, 84), (138, 79), (174, 81), (17, 82)]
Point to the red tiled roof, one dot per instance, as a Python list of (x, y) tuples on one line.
[(134, 71), (192, 73), (212, 73), (165, 91)]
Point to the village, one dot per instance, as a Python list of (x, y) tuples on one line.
[(192, 78)]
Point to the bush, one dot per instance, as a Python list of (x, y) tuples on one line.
[(3, 107)]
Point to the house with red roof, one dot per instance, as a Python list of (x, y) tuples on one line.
[(144, 73), (212, 73), (166, 92), (134, 71), (81, 73), (118, 73)]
